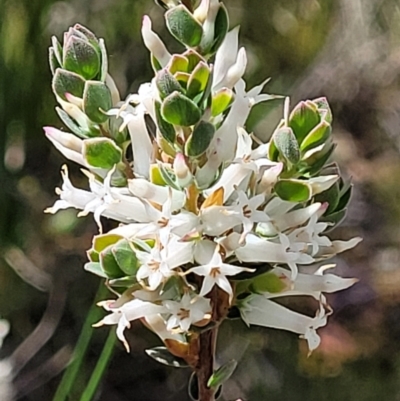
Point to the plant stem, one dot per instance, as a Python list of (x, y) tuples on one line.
[(205, 365)]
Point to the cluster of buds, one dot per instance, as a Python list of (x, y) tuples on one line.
[(214, 223)]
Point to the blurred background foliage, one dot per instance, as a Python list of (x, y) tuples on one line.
[(347, 50)]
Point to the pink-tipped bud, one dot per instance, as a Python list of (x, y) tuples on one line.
[(183, 175)]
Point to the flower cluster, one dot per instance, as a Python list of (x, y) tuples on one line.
[(213, 221)]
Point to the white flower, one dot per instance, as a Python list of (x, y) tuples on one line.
[(159, 263), (259, 250), (230, 64), (102, 199), (129, 311), (246, 209), (215, 272), (187, 311), (310, 284), (154, 43), (67, 144), (310, 234), (261, 311)]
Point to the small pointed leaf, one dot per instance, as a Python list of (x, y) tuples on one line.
[(67, 82), (162, 355), (95, 268), (200, 139), (166, 83), (221, 27), (267, 282), (198, 80), (293, 190), (125, 257), (303, 119), (101, 152), (81, 57), (109, 265), (222, 374), (177, 109), (287, 144), (183, 26), (317, 136), (96, 100), (221, 100), (167, 130), (178, 63)]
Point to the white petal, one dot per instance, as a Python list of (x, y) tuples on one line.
[(263, 312), (141, 145), (154, 43), (226, 56), (204, 251), (208, 284)]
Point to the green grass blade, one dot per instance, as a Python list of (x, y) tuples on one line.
[(72, 370), (100, 367)]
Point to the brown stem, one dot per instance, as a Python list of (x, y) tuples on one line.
[(205, 364)]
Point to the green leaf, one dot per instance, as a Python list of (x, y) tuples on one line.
[(221, 26), (123, 282), (163, 356), (335, 218), (345, 196), (168, 176), (318, 160), (221, 100), (81, 57), (166, 83), (56, 46), (88, 34), (102, 241), (193, 58), (178, 63), (125, 257), (166, 129), (200, 139), (331, 196), (101, 152), (268, 282), (53, 62), (324, 109), (95, 268), (183, 26), (71, 124), (155, 175), (293, 190), (177, 109), (67, 82), (222, 374), (198, 80), (317, 136), (96, 101), (287, 144), (109, 264), (303, 119)]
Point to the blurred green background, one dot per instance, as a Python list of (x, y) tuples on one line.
[(347, 50)]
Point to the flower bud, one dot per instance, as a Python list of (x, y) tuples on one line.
[(183, 175)]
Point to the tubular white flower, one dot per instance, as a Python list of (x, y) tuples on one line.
[(246, 211), (154, 43), (215, 272), (186, 312), (160, 263), (125, 314), (257, 250), (260, 311), (309, 284), (67, 144), (102, 200)]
